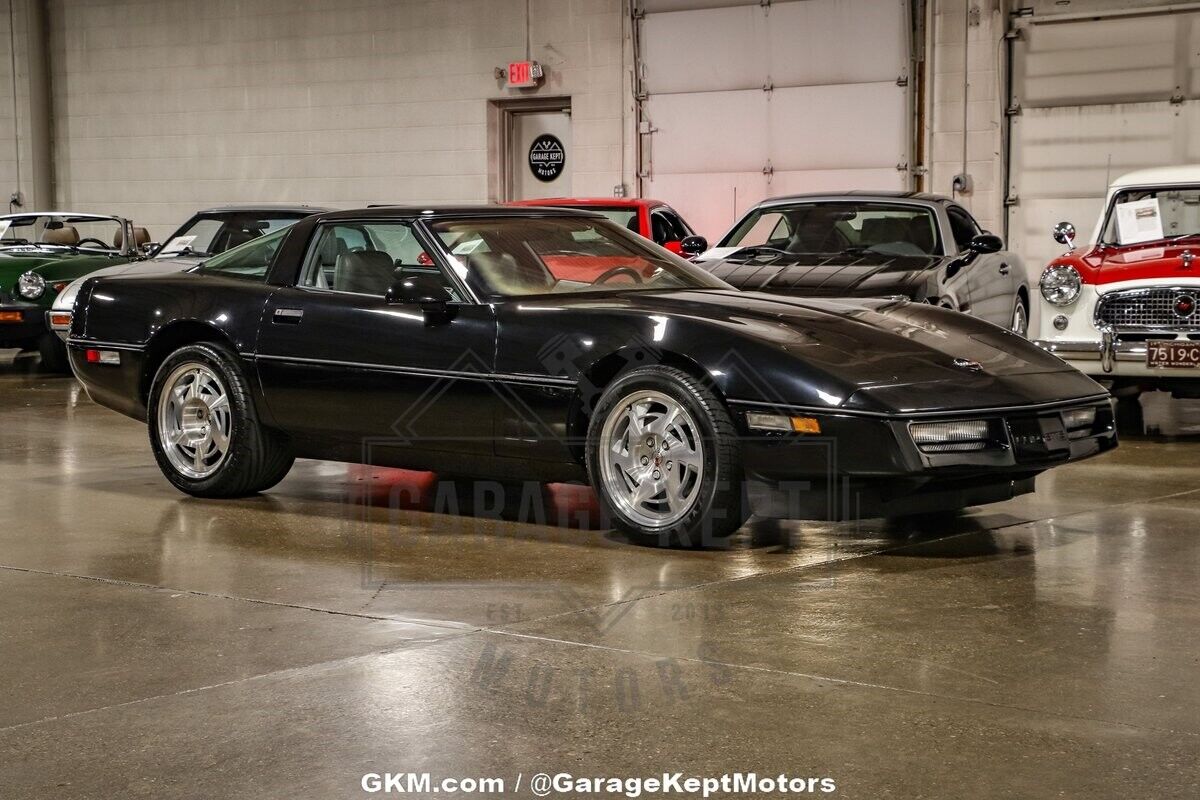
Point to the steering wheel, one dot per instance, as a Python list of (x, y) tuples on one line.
[(615, 271), (102, 245)]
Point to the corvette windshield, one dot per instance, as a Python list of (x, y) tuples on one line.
[(209, 234), (1146, 215), (832, 228), (518, 256)]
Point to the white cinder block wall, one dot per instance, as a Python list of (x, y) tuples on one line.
[(165, 106), (16, 173), (978, 39)]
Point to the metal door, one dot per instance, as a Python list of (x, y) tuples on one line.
[(539, 154)]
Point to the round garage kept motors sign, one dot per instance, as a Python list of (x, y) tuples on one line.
[(547, 157)]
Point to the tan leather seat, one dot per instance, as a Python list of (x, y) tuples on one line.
[(67, 234), (365, 272), (141, 236)]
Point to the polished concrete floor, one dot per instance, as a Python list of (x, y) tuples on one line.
[(153, 645)]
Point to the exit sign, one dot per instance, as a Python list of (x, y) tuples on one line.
[(524, 74)]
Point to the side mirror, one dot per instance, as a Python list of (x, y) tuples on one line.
[(692, 246), (149, 249), (1064, 233), (425, 290), (986, 243)]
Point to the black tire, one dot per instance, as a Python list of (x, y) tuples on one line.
[(54, 354), (258, 457), (718, 508), (1130, 420)]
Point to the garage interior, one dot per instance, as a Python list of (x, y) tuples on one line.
[(289, 644)]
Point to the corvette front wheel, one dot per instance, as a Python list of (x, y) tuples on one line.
[(664, 458)]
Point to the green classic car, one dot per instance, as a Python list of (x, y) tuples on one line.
[(40, 253)]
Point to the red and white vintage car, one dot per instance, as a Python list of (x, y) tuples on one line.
[(1124, 308)]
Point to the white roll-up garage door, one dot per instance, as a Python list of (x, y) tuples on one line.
[(1092, 99), (744, 101)]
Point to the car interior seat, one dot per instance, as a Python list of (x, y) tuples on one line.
[(500, 273), (920, 233), (141, 236), (884, 230), (365, 271), (67, 234)]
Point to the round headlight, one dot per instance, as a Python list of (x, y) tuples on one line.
[(1060, 285), (31, 286)]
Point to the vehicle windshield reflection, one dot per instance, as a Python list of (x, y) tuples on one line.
[(514, 257), (837, 228)]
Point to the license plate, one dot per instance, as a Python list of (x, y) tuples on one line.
[(1173, 354), (1038, 438)]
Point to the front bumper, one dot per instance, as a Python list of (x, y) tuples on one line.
[(21, 325), (869, 466), (1112, 358)]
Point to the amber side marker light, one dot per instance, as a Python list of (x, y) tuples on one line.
[(63, 320), (782, 422), (10, 316)]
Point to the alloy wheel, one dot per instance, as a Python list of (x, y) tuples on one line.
[(194, 420), (651, 458)]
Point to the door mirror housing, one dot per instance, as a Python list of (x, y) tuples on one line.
[(986, 243), (426, 290), (692, 246), (1064, 233), (149, 249)]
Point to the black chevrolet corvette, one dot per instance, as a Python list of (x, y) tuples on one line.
[(552, 345)]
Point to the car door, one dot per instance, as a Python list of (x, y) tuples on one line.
[(338, 361), (988, 276)]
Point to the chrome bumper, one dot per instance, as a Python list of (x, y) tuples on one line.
[(1108, 351)]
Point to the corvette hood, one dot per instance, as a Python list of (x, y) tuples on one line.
[(153, 266), (882, 355), (828, 275)]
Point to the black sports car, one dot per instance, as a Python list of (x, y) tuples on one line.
[(552, 345), (924, 247)]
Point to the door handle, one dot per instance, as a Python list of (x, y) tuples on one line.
[(1004, 268), (288, 316)]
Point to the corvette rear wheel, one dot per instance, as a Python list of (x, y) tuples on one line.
[(204, 430), (664, 458)]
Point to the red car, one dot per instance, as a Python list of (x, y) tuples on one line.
[(652, 219)]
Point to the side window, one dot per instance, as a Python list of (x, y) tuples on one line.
[(681, 227), (770, 228), (679, 231), (251, 260), (962, 226), (660, 228), (367, 258)]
